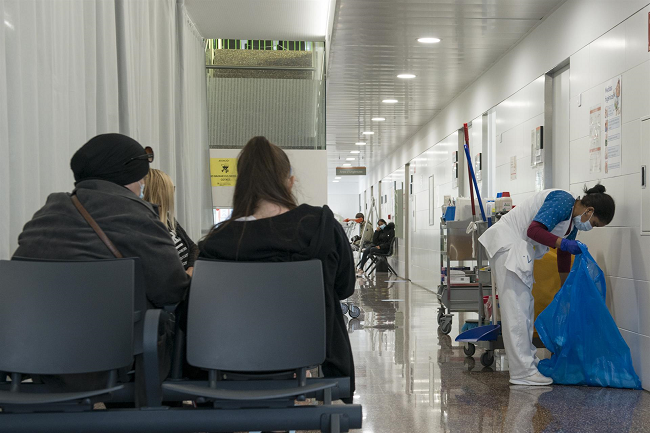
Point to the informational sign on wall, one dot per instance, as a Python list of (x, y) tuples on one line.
[(594, 139), (513, 168), (612, 140), (223, 171)]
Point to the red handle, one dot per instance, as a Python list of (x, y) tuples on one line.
[(466, 133)]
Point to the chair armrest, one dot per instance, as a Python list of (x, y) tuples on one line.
[(153, 391)]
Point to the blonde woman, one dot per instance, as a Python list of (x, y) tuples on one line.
[(159, 190)]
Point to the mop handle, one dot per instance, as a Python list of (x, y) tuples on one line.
[(469, 174), (472, 176)]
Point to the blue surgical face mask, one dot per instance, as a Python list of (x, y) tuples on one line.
[(141, 190), (583, 226), (383, 226)]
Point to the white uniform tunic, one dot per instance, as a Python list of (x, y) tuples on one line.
[(512, 256)]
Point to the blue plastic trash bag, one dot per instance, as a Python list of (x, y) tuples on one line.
[(578, 329)]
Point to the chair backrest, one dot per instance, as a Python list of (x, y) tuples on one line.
[(139, 296), (391, 250), (66, 317), (256, 316)]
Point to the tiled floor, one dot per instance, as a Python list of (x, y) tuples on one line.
[(411, 379)]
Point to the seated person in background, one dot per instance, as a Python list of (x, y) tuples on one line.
[(365, 230), (109, 171), (267, 225), (159, 191), (384, 234)]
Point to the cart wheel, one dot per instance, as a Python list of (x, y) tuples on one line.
[(487, 359), (344, 308), (355, 311), (441, 314), (445, 326), (469, 350)]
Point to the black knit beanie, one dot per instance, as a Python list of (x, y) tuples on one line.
[(106, 157)]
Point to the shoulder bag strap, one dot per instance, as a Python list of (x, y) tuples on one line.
[(84, 213)]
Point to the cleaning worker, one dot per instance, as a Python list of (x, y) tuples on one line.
[(548, 219)]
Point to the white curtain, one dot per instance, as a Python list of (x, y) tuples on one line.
[(58, 88), (72, 69)]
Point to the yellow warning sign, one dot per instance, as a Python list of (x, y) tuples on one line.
[(223, 171)]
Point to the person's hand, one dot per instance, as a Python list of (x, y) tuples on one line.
[(570, 246), (378, 248), (190, 271)]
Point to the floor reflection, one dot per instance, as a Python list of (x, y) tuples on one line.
[(412, 379)]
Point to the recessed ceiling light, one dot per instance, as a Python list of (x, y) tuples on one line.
[(406, 76), (350, 159), (390, 101), (355, 151), (361, 143), (378, 119), (335, 181), (428, 40), (347, 165), (368, 133), (337, 178)]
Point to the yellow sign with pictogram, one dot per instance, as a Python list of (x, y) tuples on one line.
[(223, 171)]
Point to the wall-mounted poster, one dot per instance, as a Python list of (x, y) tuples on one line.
[(612, 142), (594, 139), (513, 168)]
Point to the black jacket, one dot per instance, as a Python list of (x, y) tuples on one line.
[(58, 231), (383, 238), (304, 233)]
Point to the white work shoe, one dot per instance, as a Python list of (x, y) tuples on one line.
[(536, 379)]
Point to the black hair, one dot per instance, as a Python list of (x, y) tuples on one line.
[(603, 204), (380, 221), (360, 215)]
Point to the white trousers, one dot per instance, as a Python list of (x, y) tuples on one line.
[(517, 308)]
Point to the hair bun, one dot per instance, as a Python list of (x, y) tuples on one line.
[(597, 189)]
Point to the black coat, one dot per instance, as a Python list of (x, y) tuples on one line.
[(383, 238), (58, 231), (304, 233)]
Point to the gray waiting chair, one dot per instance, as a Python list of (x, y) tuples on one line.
[(261, 318), (64, 318)]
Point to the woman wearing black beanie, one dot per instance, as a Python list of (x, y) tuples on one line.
[(108, 171)]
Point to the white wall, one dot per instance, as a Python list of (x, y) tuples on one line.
[(346, 205), (619, 248), (516, 117), (309, 168)]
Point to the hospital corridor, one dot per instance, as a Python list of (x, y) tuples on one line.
[(300, 216)]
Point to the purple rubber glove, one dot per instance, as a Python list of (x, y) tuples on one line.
[(570, 246)]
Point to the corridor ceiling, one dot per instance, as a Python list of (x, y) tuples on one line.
[(373, 41)]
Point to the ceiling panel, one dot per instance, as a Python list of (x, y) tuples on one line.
[(292, 20), (374, 40)]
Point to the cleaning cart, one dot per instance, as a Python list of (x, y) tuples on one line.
[(461, 259)]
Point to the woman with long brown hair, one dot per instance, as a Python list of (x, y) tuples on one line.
[(267, 225), (159, 190)]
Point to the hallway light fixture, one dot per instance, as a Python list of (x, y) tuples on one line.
[(337, 178), (368, 133), (335, 181), (428, 40), (360, 143), (350, 159), (390, 101), (406, 76), (347, 165), (355, 151), (378, 119)]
